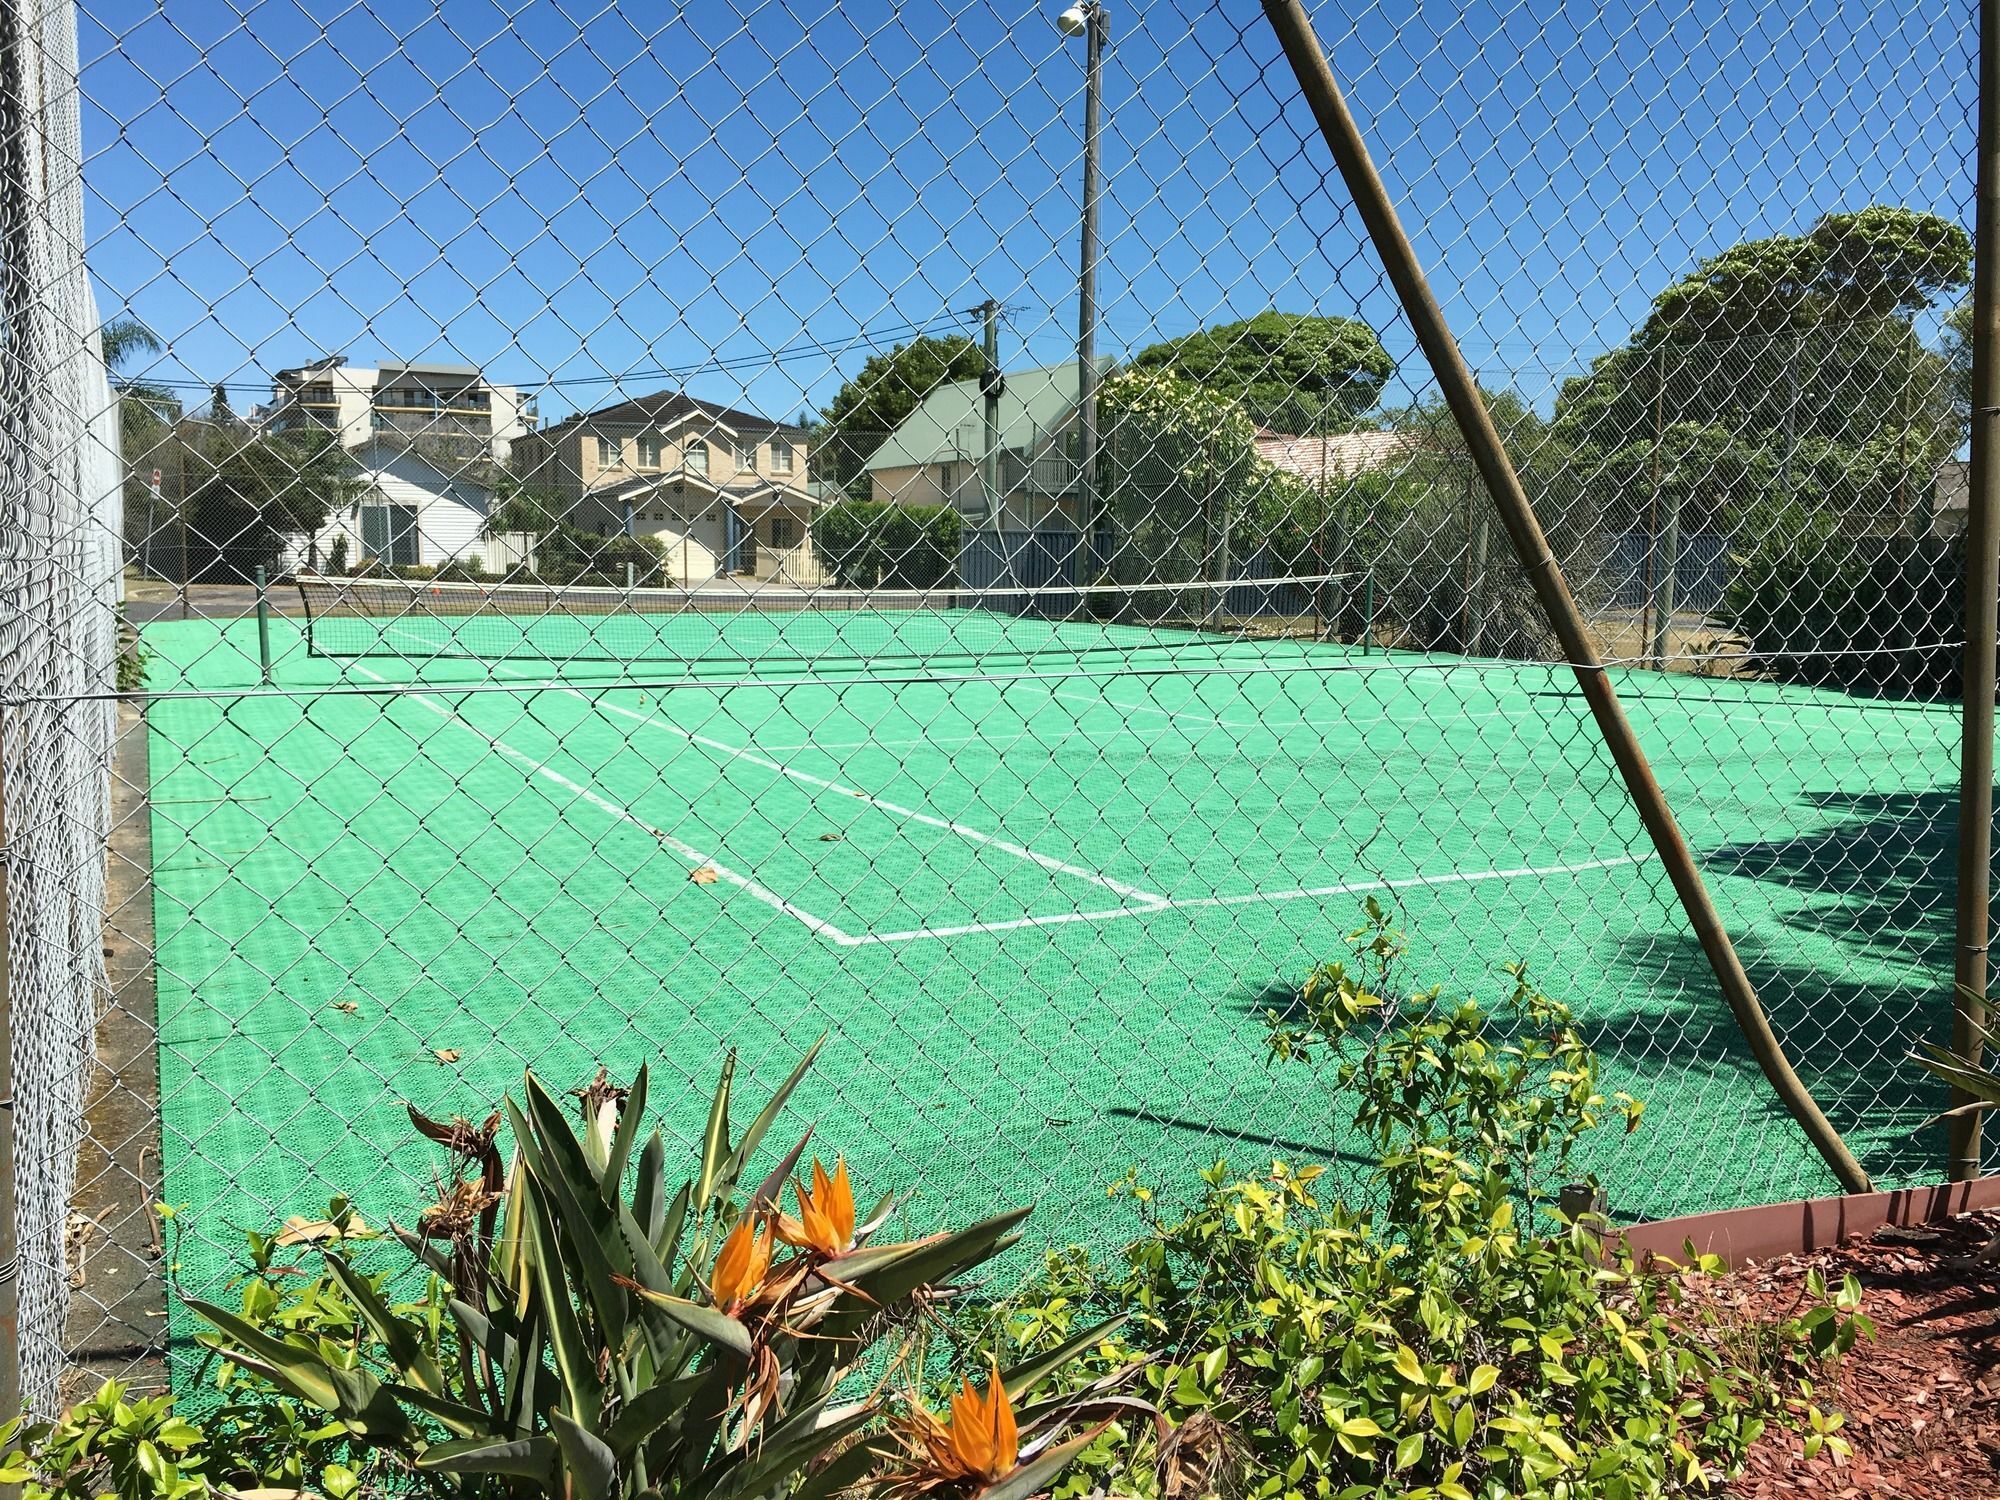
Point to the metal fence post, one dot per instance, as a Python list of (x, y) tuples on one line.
[(1982, 606), (263, 626), (1475, 422)]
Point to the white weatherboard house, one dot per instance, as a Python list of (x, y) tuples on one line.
[(407, 511)]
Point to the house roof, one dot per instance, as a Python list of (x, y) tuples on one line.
[(667, 407), (645, 484), (1340, 455), (951, 424)]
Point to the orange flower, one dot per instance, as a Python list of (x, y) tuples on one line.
[(982, 1429), (826, 1213), (740, 1268), (978, 1442)]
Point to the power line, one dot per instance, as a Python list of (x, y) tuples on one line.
[(723, 364)]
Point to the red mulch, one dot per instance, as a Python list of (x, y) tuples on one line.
[(1922, 1400)]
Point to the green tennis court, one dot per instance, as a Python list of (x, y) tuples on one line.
[(1037, 901)]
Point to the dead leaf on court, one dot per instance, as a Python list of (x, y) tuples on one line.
[(446, 1054), (704, 876)]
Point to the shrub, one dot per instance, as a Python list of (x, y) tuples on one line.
[(132, 656), (1825, 605), (872, 543), (336, 559), (593, 1332), (1449, 1346), (567, 555)]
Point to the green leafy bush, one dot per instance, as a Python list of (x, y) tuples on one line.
[(1825, 605), (594, 1332), (132, 656), (567, 555), (871, 543), (136, 1447), (1464, 1342)]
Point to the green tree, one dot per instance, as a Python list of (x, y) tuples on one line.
[(1880, 262), (245, 496), (147, 411), (1291, 371), (1180, 468), (1956, 351), (886, 389), (1801, 347), (1418, 552), (536, 509)]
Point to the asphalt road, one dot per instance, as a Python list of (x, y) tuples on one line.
[(149, 599)]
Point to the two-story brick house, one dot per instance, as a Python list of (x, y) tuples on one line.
[(725, 491)]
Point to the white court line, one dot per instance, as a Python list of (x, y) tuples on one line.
[(1253, 898), (688, 852), (1151, 900), (1101, 701)]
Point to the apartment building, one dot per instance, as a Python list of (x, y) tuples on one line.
[(449, 414)]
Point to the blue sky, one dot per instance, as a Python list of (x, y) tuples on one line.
[(578, 197)]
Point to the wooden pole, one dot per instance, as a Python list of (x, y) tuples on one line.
[(1982, 607), (1475, 422)]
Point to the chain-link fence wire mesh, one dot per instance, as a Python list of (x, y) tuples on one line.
[(718, 598), (60, 556)]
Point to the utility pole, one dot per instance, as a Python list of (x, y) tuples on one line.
[(991, 384), (1090, 20)]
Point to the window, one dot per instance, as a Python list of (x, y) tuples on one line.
[(746, 455), (649, 450), (781, 456), (607, 451), (781, 531), (696, 457)]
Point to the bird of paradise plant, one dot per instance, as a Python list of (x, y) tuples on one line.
[(983, 1450), (614, 1341)]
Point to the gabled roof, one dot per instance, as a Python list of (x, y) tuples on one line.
[(668, 407), (760, 488), (951, 424)]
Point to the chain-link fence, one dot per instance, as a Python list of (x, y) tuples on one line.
[(60, 569), (661, 530)]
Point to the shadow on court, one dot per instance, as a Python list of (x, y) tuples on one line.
[(1228, 1135), (1848, 1036), (1884, 873)]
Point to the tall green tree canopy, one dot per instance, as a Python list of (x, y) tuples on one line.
[(1880, 262), (1790, 344), (1291, 371), (881, 393)]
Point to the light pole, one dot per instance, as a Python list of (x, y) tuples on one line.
[(1091, 21)]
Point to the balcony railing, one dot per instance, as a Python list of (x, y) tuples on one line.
[(434, 401), (1050, 474)]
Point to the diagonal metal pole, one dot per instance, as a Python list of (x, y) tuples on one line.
[(1982, 605), (1468, 407)]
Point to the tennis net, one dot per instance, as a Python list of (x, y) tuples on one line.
[(781, 627)]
